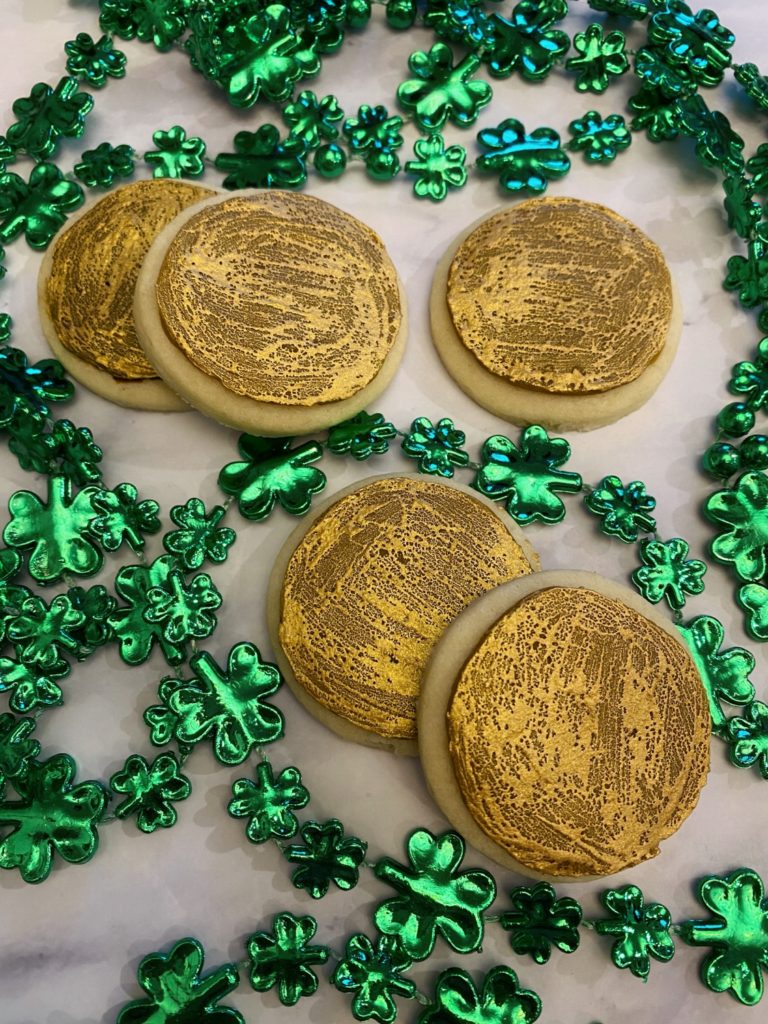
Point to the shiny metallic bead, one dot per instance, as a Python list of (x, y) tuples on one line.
[(330, 161), (736, 419), (721, 460), (753, 452)]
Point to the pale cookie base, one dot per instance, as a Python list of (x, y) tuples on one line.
[(448, 658), (342, 726), (209, 395), (521, 405)]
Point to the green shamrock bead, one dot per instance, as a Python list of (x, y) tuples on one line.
[(374, 976), (262, 160), (741, 209), (52, 815), (273, 472), (269, 803), (657, 74), (28, 389), (179, 993), (73, 453), (161, 719), (176, 155), (32, 687), (724, 674), (373, 129), (461, 21), (525, 161), (655, 113), (284, 958), (313, 120), (527, 475), (624, 510), (738, 934), (96, 605), (747, 738), (751, 379), (26, 436), (48, 114), (98, 168), (6, 325), (361, 436), (641, 930), (538, 921), (122, 519), (150, 790), (744, 510), (749, 277), (17, 750), (757, 165), (7, 152), (133, 629), (526, 42), (753, 451), (184, 609), (437, 169), (442, 92), (667, 573), (717, 144), (600, 139), (330, 161), (228, 707), (400, 14), (358, 13), (47, 629), (754, 84), (599, 57), (753, 599), (437, 447), (94, 60), (635, 9), (322, 23), (199, 535), (434, 897), (158, 21), (500, 1001), (697, 42), (37, 208), (327, 856)]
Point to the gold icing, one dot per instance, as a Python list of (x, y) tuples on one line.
[(578, 733), (373, 584), (280, 297), (95, 265), (560, 295)]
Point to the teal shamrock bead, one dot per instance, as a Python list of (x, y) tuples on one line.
[(98, 168), (753, 599), (284, 958), (179, 993), (374, 976), (742, 210), (526, 162), (26, 389), (39, 207), (538, 921), (122, 519), (262, 160), (43, 632), (655, 113), (273, 472), (697, 42), (150, 790), (437, 169), (744, 511), (600, 139), (442, 92), (330, 161), (624, 510), (17, 750), (724, 674), (738, 934), (437, 447), (749, 276), (461, 21), (158, 21), (753, 83), (269, 802), (95, 60), (753, 452), (31, 686), (400, 14), (48, 114), (52, 815), (717, 144), (526, 42), (313, 120), (500, 1001), (599, 57), (641, 930), (434, 897), (176, 155), (326, 856), (747, 738), (199, 535), (361, 436), (667, 80), (666, 573)]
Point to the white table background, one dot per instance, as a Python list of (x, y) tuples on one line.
[(69, 948)]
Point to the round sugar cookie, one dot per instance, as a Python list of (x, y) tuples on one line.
[(272, 312), (563, 726), (556, 311), (86, 286), (365, 586)]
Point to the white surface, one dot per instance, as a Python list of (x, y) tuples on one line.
[(69, 948)]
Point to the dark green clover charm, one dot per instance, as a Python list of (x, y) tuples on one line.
[(599, 139), (624, 510), (158, 21), (434, 897), (361, 436), (53, 815), (176, 155), (313, 120), (725, 674), (94, 59), (641, 930), (747, 738), (599, 57), (738, 934), (442, 92), (749, 275), (43, 631), (26, 389), (376, 136), (757, 166), (17, 750), (135, 633), (262, 160), (99, 167), (185, 610), (500, 1001), (522, 161), (437, 169), (438, 447), (273, 472), (47, 114), (73, 453), (655, 113), (753, 83), (37, 208), (656, 73), (327, 856), (150, 790), (32, 687), (199, 535), (122, 519), (753, 599), (269, 802), (525, 42), (667, 573), (538, 921), (374, 976), (178, 993), (743, 212), (97, 605), (717, 144), (749, 379), (284, 958), (697, 42), (744, 510)]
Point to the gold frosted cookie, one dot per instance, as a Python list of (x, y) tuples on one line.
[(366, 585), (86, 286), (556, 311), (563, 726), (272, 312)]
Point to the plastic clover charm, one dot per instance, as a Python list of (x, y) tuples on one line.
[(442, 92), (375, 135), (655, 114), (262, 160), (46, 630), (667, 573), (361, 436), (17, 750), (717, 144), (437, 168), (157, 21), (99, 167), (47, 114), (122, 519), (284, 958), (636, 9), (748, 738), (313, 120), (199, 535), (725, 674), (599, 57), (697, 42), (522, 161), (374, 976), (32, 687), (97, 605), (600, 139), (52, 815), (753, 83), (273, 472), (750, 379), (738, 934), (744, 510), (150, 790), (526, 42), (25, 389), (37, 208), (754, 600), (527, 475), (747, 276), (538, 921), (667, 80), (184, 609), (438, 447), (434, 897), (743, 214), (327, 856), (73, 452), (757, 165), (229, 707), (624, 510), (461, 21), (269, 803), (176, 155), (178, 993), (135, 632), (501, 1000), (160, 718), (94, 59), (641, 930)]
